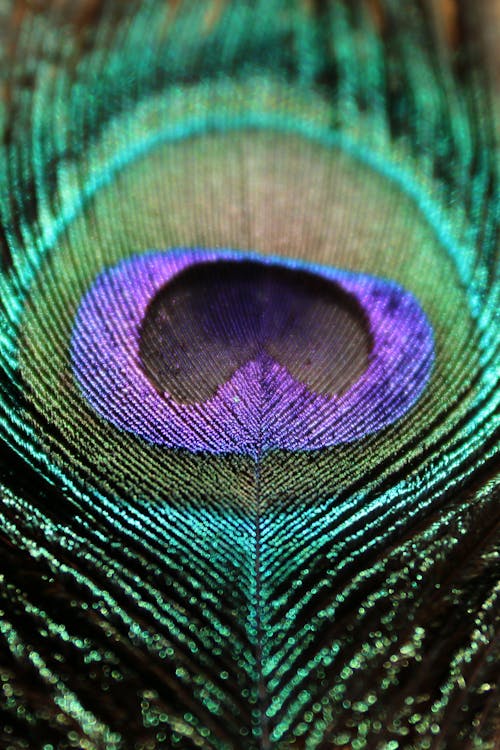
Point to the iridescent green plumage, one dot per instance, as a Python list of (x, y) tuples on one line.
[(154, 597)]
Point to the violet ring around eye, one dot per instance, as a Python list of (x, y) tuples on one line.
[(233, 352)]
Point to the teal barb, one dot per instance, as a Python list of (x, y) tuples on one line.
[(280, 221)]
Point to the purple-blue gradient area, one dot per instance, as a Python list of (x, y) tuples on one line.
[(261, 406)]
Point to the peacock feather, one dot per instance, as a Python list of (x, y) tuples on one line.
[(249, 354)]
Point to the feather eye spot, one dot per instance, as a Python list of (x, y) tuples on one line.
[(215, 317), (227, 351)]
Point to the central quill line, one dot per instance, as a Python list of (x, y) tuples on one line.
[(264, 740)]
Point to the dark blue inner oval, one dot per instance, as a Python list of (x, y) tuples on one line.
[(214, 317)]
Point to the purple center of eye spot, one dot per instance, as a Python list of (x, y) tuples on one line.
[(215, 317), (224, 351)]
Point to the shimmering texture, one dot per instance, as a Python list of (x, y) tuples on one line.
[(261, 406), (153, 596)]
